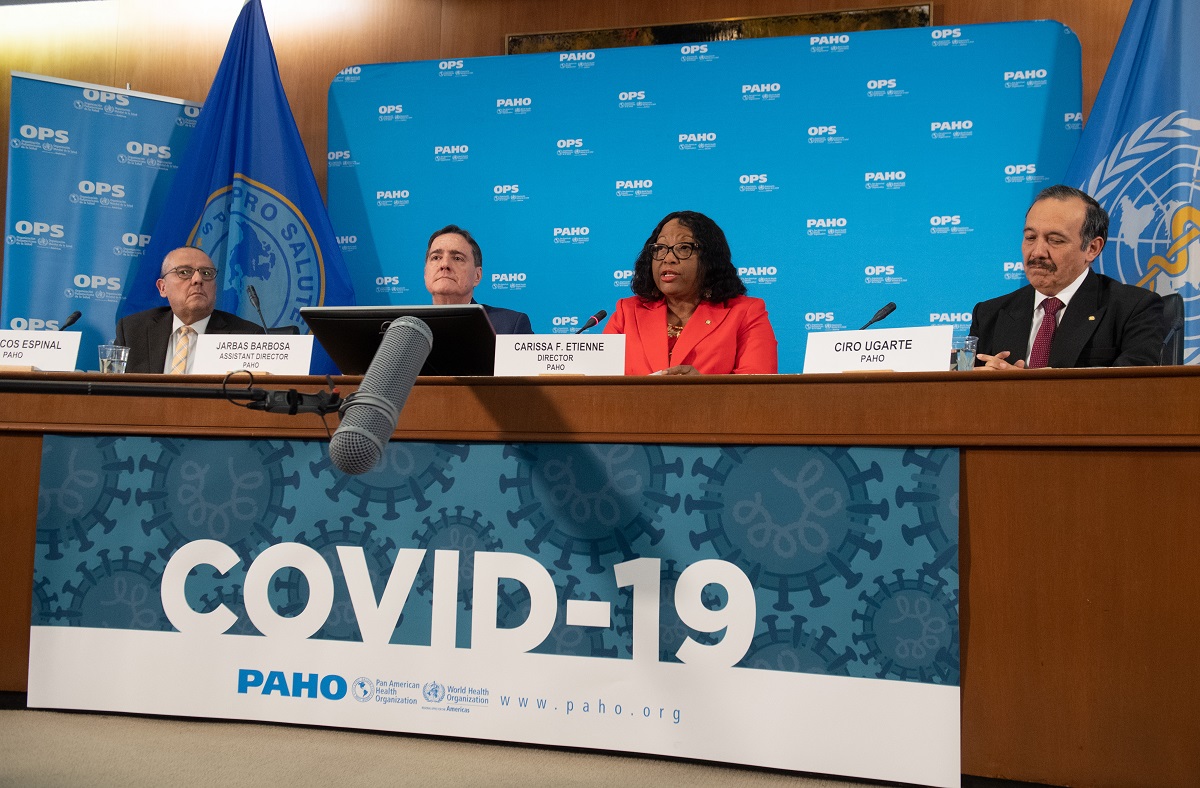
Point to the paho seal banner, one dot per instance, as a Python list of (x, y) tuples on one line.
[(247, 196)]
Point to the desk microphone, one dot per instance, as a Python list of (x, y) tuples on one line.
[(250, 291), (369, 415), (593, 320), (1176, 327), (70, 321), (887, 309)]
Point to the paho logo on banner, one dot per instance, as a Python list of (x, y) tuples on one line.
[(253, 233)]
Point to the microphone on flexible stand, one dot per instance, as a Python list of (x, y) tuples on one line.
[(1176, 327), (593, 320), (70, 321), (250, 291), (887, 309), (369, 415)]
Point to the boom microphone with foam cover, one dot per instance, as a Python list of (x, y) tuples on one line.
[(370, 414)]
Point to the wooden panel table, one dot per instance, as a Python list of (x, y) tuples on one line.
[(1079, 554)]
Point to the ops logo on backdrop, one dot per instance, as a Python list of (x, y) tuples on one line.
[(1146, 184), (256, 236)]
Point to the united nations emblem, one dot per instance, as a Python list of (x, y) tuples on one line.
[(1147, 183), (258, 237), (433, 692)]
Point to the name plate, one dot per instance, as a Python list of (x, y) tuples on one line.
[(49, 351), (556, 354), (925, 349), (286, 354)]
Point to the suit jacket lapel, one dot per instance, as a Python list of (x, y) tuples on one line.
[(1012, 325), (700, 325), (1078, 324), (158, 339), (652, 333)]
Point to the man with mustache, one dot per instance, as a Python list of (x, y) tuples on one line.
[(1068, 315)]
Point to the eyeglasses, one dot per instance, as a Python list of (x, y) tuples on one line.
[(187, 272), (682, 251)]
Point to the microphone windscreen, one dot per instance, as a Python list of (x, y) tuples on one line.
[(369, 415)]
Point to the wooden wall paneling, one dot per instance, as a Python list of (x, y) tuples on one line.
[(22, 454), (1071, 556)]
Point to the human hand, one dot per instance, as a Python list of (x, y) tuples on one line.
[(997, 361), (681, 369)]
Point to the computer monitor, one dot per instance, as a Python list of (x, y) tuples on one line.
[(464, 342)]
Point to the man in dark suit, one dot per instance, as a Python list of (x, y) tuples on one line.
[(454, 267), (163, 339), (1068, 315)]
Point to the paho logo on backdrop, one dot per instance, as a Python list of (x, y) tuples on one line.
[(635, 187), (146, 154), (43, 139), (99, 193), (392, 198), (571, 235), (1145, 183), (95, 287), (576, 60), (834, 43), (256, 236), (949, 37), (453, 68), (1027, 78), (633, 98), (756, 182), (454, 153), (509, 280), (105, 102), (825, 134), (391, 113), (697, 140), (952, 129), (886, 179), (30, 233), (826, 226), (762, 91), (508, 192), (696, 53), (515, 105), (1025, 172)]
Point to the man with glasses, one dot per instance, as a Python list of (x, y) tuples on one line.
[(454, 267), (163, 339)]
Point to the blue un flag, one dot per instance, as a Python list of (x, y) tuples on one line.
[(1140, 155), (245, 193)]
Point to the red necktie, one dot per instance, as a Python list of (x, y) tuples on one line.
[(1040, 355)]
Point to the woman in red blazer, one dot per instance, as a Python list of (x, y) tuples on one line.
[(690, 314)]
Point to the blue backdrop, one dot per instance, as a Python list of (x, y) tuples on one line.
[(88, 168), (847, 170)]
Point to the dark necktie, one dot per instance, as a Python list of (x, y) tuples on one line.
[(1040, 355)]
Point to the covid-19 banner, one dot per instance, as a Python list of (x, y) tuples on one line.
[(87, 167), (786, 606), (846, 170)]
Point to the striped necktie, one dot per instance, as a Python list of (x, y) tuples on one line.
[(183, 345)]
